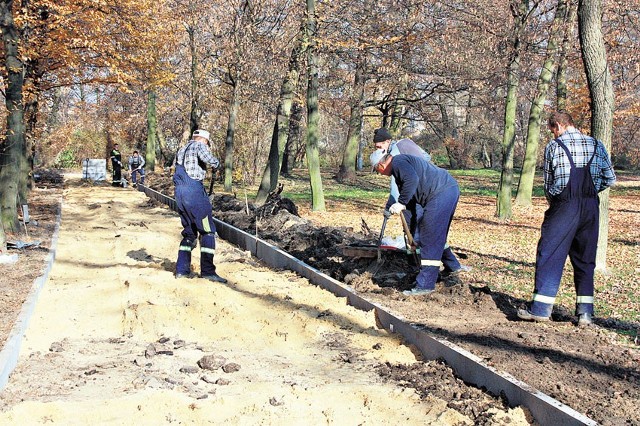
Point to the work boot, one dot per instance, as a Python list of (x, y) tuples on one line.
[(585, 319), (187, 275), (214, 277), (524, 314), (416, 291), (461, 269)]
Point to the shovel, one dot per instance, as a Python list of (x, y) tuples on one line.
[(384, 225), (409, 237)]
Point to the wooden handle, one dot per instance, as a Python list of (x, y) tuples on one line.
[(407, 231)]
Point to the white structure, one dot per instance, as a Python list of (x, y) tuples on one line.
[(94, 169)]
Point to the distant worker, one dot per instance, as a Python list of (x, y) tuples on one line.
[(136, 166), (116, 166), (576, 168), (422, 185), (194, 206), (382, 140)]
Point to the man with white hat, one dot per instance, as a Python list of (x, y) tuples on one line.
[(422, 185), (382, 139), (194, 206)]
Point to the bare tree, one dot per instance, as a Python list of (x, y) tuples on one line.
[(594, 56)]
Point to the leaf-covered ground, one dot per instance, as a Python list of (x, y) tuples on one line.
[(503, 253)]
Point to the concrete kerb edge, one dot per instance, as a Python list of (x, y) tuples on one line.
[(546, 410), (11, 349)]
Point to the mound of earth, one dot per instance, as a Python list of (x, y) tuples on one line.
[(593, 369)]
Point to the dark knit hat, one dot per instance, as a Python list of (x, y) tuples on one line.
[(381, 135)]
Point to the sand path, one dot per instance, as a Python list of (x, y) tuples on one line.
[(115, 338)]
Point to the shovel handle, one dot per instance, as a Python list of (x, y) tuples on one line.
[(407, 231), (384, 225)]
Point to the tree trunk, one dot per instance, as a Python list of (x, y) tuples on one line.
[(313, 115), (594, 57), (152, 131), (289, 155), (448, 132), (30, 118), (525, 186), (563, 61), (398, 107), (347, 170), (13, 147), (193, 112), (281, 127), (503, 204), (162, 151), (231, 131)]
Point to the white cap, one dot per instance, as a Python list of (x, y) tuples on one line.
[(376, 157), (201, 133)]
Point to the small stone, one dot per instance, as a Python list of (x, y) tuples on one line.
[(275, 402), (222, 382), (163, 340), (173, 380), (150, 352), (189, 369), (232, 367), (211, 362), (177, 344)]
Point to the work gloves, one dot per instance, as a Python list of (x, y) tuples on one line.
[(396, 208)]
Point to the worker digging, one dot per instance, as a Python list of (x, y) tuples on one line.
[(431, 195)]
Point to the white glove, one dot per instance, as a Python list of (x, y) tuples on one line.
[(396, 208)]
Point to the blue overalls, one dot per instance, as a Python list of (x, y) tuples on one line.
[(135, 171), (433, 226), (449, 259), (194, 208), (570, 227)]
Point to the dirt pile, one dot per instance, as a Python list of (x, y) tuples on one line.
[(593, 370)]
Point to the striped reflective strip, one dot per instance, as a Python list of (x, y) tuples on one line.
[(427, 262), (207, 250), (205, 225), (186, 248), (584, 299), (544, 299)]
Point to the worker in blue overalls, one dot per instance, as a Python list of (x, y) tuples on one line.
[(576, 168), (422, 185), (382, 139), (194, 206), (136, 166)]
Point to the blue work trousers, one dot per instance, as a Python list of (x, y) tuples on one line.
[(569, 228), (194, 208), (434, 228)]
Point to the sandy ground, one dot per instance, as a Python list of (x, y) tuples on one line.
[(115, 338)]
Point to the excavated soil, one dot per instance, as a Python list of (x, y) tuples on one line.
[(591, 369)]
